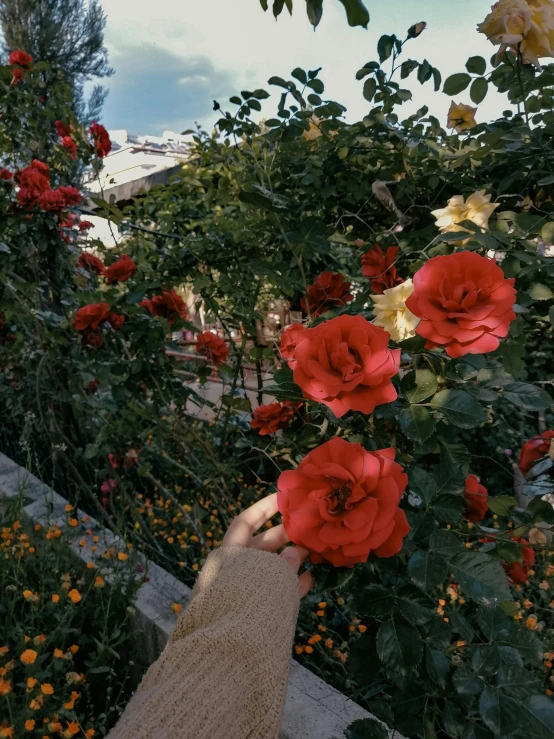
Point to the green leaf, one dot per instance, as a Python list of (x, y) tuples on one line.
[(501, 713), (437, 79), (459, 408), (366, 728), (363, 659), (455, 455), (480, 577), (485, 660), (476, 65), (456, 83), (475, 731), (407, 67), (400, 647), (509, 551), (91, 451), (356, 12), (422, 484), (427, 569), (417, 423), (445, 543), (502, 504), (263, 3), (450, 479), (438, 665), (317, 86), (527, 644), (415, 606), (518, 681), (328, 577), (314, 9), (538, 717), (528, 397), (478, 90), (494, 623), (299, 74), (461, 625), (370, 88), (419, 385), (448, 508), (385, 46), (538, 291), (466, 683), (373, 600)]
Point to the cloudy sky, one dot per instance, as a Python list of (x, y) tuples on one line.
[(173, 57)]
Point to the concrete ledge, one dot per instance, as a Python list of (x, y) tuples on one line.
[(313, 709)]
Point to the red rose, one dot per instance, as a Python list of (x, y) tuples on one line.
[(213, 347), (91, 316), (92, 338), (5, 174), (476, 500), (90, 263), (33, 181), (379, 268), (52, 200), (341, 503), (290, 337), (346, 364), (63, 130), (21, 58), (270, 418), (328, 291), (533, 450), (121, 270), (85, 225), (17, 75), (116, 320), (68, 143), (71, 194), (169, 305), (519, 571), (464, 302), (100, 139)]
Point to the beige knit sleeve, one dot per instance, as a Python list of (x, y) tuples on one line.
[(223, 673)]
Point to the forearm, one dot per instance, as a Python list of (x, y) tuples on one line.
[(223, 674)]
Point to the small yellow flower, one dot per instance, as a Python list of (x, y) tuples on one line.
[(391, 312), (47, 689), (461, 117), (74, 596), (28, 657)]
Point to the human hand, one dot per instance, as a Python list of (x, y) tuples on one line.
[(241, 534)]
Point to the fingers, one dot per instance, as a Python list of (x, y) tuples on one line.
[(295, 556), (305, 583), (271, 540), (240, 531)]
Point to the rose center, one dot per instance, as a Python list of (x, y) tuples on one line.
[(339, 498)]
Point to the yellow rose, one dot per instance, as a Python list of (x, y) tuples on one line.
[(461, 117), (477, 208), (313, 132), (524, 25), (391, 312)]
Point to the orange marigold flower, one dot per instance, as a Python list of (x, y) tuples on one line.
[(27, 594), (323, 604), (176, 608), (321, 613), (47, 689), (328, 643), (40, 639), (5, 687), (71, 703), (74, 596), (30, 724), (36, 703), (4, 650), (122, 556), (72, 729), (308, 650), (531, 622), (73, 522), (55, 598), (99, 582), (74, 649), (31, 682), (362, 629), (6, 731), (299, 650), (68, 508), (90, 733), (28, 657), (58, 654)]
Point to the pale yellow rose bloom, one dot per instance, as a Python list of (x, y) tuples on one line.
[(391, 312), (461, 117), (314, 131), (524, 25), (477, 209)]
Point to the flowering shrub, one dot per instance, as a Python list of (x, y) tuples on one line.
[(427, 630), (65, 647)]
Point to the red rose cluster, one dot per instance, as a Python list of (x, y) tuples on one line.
[(121, 270), (21, 63), (379, 268), (89, 318), (35, 191), (91, 263), (267, 419), (344, 363), (100, 140), (66, 140), (342, 503), (328, 291), (476, 500), (533, 450), (211, 346), (464, 303), (169, 305)]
